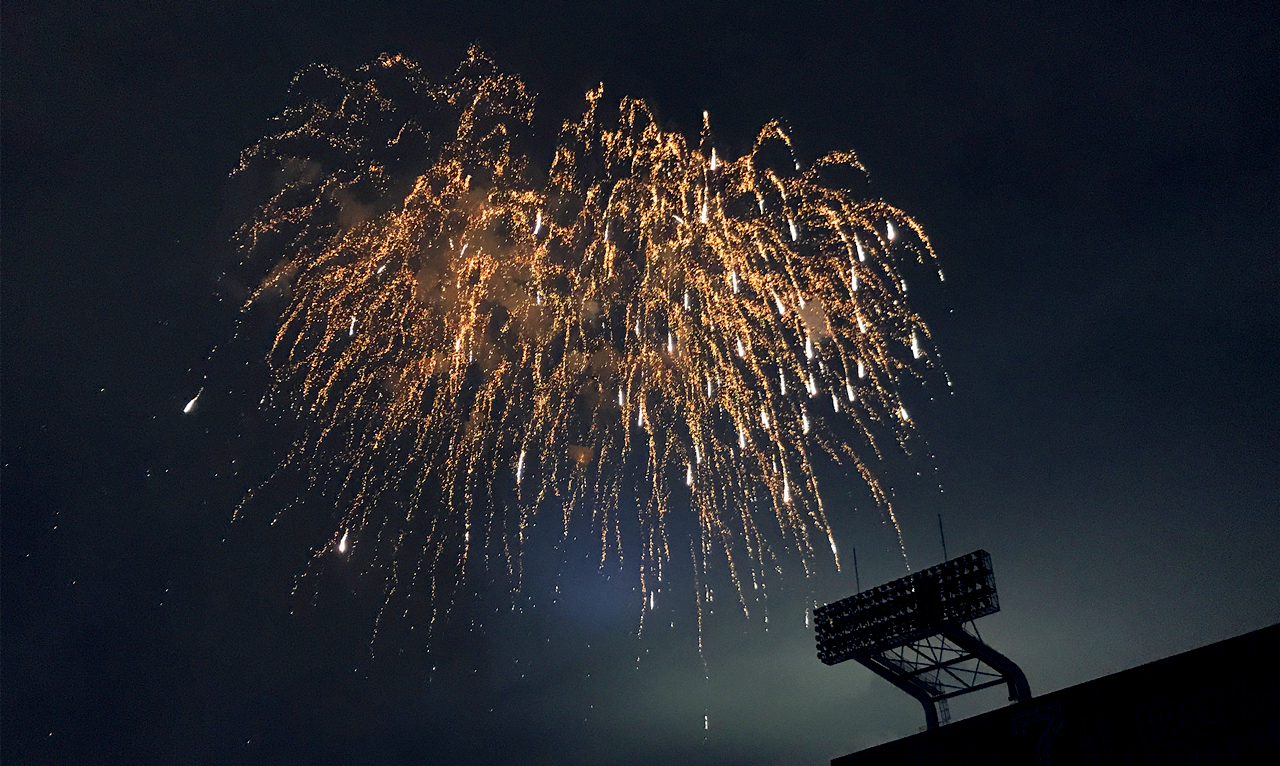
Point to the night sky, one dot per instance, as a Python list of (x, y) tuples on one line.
[(1101, 182)]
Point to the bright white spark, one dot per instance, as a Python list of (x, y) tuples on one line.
[(794, 234), (903, 412), (764, 417), (742, 350), (351, 331), (862, 254), (849, 389), (191, 405), (786, 490), (804, 423), (915, 346), (715, 161), (342, 544), (686, 300), (808, 348), (688, 475), (862, 370), (890, 231), (742, 438), (520, 464), (537, 225), (782, 382), (671, 343)]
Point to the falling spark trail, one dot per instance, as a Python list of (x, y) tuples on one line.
[(191, 405)]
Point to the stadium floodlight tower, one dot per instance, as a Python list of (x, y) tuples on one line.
[(911, 633)]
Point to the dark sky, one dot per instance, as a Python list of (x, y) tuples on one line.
[(1102, 183)]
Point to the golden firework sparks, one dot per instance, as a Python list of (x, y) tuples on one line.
[(467, 345)]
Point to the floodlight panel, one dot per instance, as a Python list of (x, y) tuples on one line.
[(908, 608)]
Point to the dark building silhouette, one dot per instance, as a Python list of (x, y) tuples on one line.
[(1219, 704)]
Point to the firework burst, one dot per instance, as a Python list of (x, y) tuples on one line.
[(652, 328)]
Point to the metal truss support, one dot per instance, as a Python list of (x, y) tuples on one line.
[(920, 694), (946, 664), (1019, 689)]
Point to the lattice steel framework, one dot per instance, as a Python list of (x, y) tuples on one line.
[(911, 633)]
